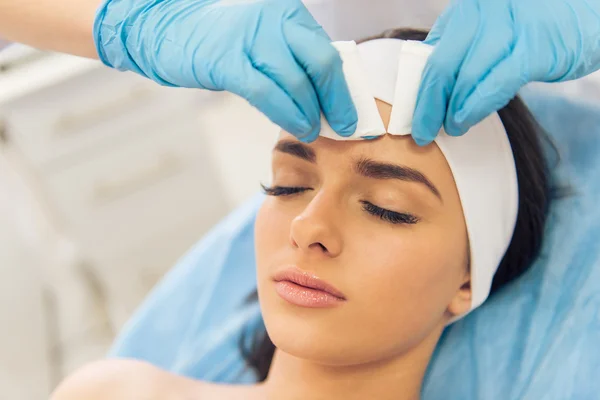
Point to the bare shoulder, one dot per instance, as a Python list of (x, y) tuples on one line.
[(115, 380), (130, 379)]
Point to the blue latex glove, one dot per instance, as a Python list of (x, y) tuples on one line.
[(271, 52), (486, 50)]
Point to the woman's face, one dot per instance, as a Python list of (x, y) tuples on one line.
[(381, 221)]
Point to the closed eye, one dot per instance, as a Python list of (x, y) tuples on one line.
[(392, 217), (283, 190)]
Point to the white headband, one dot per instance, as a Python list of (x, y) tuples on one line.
[(481, 161)]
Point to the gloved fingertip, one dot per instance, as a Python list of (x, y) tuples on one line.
[(461, 116), (308, 139), (305, 127), (453, 130), (425, 127), (302, 130), (346, 130), (311, 135), (468, 116), (343, 120), (421, 141), (421, 135)]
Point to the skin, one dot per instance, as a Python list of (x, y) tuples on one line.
[(403, 282), (58, 25)]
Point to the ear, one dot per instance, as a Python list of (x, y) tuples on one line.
[(461, 302)]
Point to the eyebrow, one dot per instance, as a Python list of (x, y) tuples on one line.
[(379, 170), (366, 167), (296, 149)]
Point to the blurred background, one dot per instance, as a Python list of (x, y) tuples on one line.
[(106, 179)]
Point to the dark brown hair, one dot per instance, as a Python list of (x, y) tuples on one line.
[(525, 136)]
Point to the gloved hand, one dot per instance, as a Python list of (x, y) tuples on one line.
[(271, 52), (486, 50)]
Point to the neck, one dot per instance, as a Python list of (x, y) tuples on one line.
[(397, 378)]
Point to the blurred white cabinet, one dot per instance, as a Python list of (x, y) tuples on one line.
[(122, 167), (24, 346)]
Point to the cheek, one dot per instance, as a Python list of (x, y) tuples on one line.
[(271, 232), (413, 260), (423, 264), (407, 279)]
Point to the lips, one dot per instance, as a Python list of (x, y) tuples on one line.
[(306, 290)]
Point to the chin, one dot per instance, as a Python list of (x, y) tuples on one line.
[(311, 335)]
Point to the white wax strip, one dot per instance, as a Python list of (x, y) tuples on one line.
[(369, 120), (411, 63)]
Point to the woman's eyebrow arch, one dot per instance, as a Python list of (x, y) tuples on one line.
[(296, 149), (379, 170)]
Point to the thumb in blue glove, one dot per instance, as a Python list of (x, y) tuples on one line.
[(271, 52), (487, 50)]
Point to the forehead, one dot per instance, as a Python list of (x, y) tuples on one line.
[(390, 149), (337, 156)]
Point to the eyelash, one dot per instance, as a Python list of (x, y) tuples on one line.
[(283, 190), (389, 216), (383, 214)]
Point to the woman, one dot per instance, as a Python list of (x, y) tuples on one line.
[(392, 259)]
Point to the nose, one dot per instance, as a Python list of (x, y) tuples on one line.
[(316, 230)]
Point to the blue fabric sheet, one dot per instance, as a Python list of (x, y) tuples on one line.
[(537, 339)]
